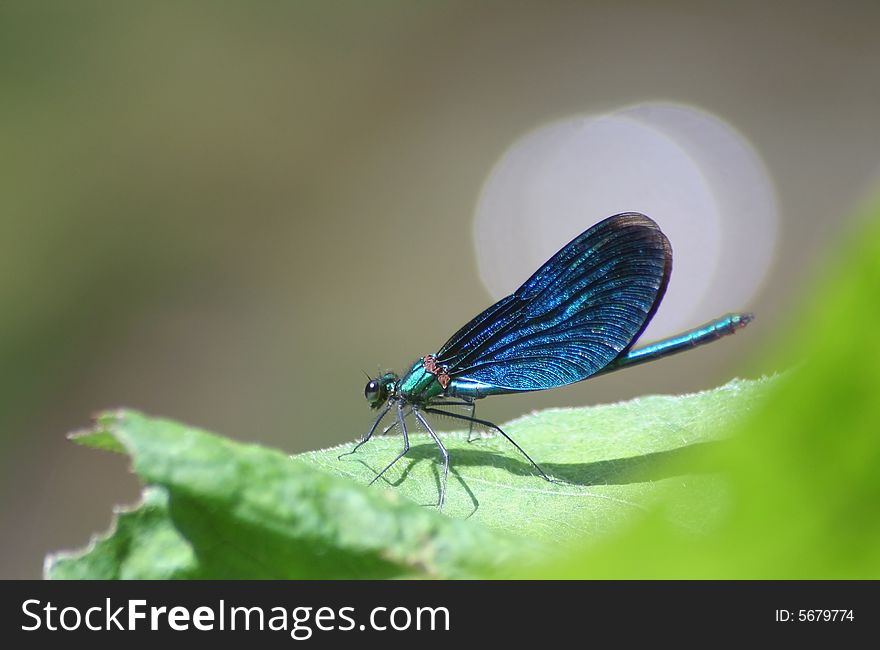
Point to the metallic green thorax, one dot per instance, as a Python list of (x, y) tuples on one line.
[(419, 385)]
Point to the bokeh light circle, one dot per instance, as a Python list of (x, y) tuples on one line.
[(689, 171)]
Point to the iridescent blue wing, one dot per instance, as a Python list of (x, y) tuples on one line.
[(581, 310)]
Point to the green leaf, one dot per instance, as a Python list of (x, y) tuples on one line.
[(250, 512), (223, 509), (99, 437), (611, 461)]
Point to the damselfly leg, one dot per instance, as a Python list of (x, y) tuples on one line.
[(442, 497), (494, 426), (370, 433), (400, 420), (463, 402)]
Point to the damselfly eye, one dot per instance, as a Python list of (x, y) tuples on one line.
[(374, 392)]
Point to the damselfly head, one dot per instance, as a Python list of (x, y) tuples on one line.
[(378, 389)]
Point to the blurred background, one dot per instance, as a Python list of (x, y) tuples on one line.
[(221, 212)]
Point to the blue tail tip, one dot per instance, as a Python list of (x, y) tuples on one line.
[(742, 320)]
